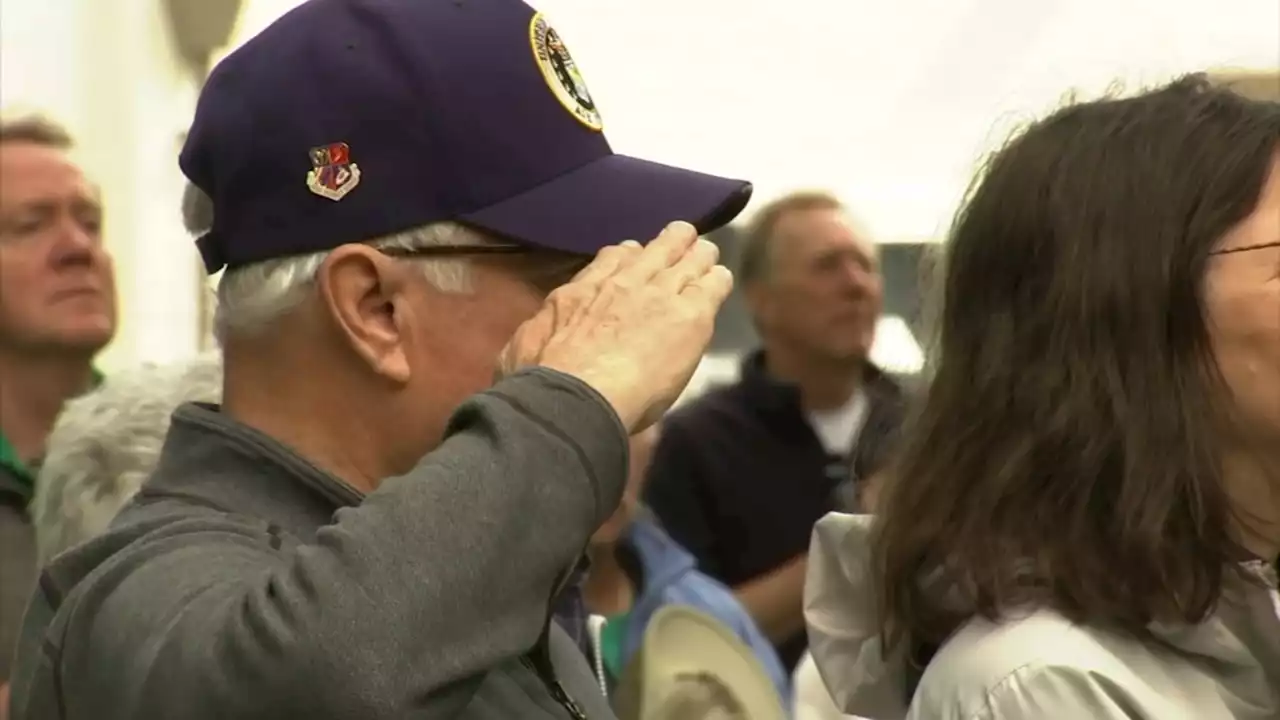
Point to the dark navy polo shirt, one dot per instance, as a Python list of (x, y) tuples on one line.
[(739, 477)]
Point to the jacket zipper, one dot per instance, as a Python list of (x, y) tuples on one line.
[(557, 691), (539, 661), (547, 675)]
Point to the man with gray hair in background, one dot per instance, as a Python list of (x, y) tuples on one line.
[(410, 199)]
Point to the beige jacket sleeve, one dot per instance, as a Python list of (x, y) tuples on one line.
[(844, 629), (812, 699)]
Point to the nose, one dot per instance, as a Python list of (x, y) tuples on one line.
[(75, 243), (855, 276)]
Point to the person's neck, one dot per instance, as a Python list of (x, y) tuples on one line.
[(608, 589), (1252, 483), (270, 398), (824, 385), (34, 389)]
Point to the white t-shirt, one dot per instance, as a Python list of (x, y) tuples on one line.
[(838, 429)]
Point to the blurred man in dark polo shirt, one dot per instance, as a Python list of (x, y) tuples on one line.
[(57, 310), (742, 473)]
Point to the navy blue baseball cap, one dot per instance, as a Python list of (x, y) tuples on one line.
[(349, 120)]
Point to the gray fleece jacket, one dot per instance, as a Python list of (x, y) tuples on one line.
[(243, 582)]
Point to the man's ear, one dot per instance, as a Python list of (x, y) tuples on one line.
[(363, 291)]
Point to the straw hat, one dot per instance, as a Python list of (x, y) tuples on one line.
[(691, 667)]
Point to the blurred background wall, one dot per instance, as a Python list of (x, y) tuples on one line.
[(887, 103)]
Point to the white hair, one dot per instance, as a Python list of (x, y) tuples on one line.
[(106, 443), (252, 297)]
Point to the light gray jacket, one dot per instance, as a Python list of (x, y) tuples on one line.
[(1039, 665), (243, 582)]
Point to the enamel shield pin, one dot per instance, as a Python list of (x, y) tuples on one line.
[(332, 174)]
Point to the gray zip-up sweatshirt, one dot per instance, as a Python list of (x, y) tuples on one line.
[(245, 583)]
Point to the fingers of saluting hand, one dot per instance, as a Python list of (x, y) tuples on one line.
[(665, 251), (697, 261), (607, 262)]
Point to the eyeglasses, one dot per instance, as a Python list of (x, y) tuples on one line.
[(455, 250), (1246, 248), (547, 270)]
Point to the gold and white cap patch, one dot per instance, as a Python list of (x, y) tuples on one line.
[(562, 74)]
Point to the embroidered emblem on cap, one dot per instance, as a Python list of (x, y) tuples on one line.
[(332, 174), (562, 74)]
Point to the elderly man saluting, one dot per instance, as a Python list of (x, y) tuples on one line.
[(371, 527)]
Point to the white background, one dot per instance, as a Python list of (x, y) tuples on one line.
[(888, 103)]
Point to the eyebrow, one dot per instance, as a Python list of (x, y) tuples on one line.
[(859, 252), (48, 204)]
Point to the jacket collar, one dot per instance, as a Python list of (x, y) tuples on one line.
[(662, 560), (211, 458)]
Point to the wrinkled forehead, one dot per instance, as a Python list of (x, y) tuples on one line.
[(31, 172)]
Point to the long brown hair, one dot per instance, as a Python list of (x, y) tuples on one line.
[(1063, 454)]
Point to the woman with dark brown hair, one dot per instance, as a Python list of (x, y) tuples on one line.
[(1084, 518)]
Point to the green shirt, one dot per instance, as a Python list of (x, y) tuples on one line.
[(611, 638), (13, 465)]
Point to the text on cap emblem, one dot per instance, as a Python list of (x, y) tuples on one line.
[(562, 74)]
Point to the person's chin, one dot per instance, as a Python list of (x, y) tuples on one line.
[(850, 354), (89, 334)]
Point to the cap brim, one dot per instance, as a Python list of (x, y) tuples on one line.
[(613, 199), (681, 641)]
